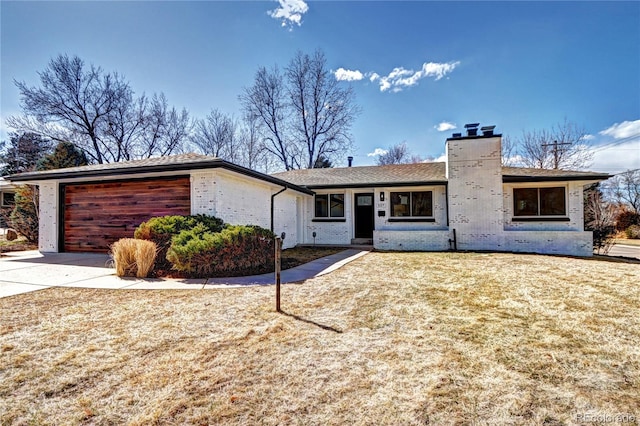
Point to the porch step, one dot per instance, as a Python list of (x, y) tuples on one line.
[(362, 241)]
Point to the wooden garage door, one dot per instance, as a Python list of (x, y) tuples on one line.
[(98, 214)]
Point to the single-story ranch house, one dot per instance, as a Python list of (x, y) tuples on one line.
[(468, 202)]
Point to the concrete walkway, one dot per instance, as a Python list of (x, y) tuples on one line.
[(22, 272)]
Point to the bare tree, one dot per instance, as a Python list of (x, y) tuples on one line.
[(266, 102), (304, 113), (395, 154), (599, 218), (97, 112), (509, 158), (624, 188), (398, 154), (322, 110), (215, 135), (564, 146), (251, 150), (165, 129)]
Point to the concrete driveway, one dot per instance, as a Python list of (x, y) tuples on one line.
[(22, 272)]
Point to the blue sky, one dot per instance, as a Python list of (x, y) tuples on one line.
[(518, 65)]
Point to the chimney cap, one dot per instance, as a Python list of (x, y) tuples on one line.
[(485, 128), (471, 126)]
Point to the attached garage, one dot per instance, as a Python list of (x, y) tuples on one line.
[(95, 215), (88, 208)]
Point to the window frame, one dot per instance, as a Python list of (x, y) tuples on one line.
[(411, 207), (329, 197), (2, 200), (539, 215)]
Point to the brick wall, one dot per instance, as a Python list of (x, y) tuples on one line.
[(48, 222), (240, 200)]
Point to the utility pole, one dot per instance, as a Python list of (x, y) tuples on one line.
[(556, 151)]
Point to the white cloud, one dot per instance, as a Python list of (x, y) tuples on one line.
[(376, 152), (290, 12), (432, 69), (623, 130), (348, 75), (400, 77), (618, 158), (444, 126)]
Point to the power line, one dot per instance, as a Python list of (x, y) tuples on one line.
[(617, 142)]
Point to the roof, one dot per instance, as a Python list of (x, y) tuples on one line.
[(177, 163), (521, 174), (416, 174), (368, 176), (303, 180)]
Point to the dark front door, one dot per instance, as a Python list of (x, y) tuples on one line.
[(364, 215)]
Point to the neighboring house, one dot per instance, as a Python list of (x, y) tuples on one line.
[(7, 200), (469, 202)]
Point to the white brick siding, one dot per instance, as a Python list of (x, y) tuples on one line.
[(241, 200), (48, 221), (330, 232), (411, 240)]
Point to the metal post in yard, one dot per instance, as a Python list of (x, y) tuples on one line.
[(278, 265)]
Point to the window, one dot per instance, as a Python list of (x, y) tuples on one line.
[(539, 201), (329, 205), (412, 204), (8, 199)]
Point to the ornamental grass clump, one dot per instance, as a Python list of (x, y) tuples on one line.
[(236, 250), (133, 258)]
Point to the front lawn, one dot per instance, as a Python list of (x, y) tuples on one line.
[(391, 338)]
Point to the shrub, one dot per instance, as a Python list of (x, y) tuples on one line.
[(160, 230), (24, 216), (633, 232), (236, 250), (133, 258), (625, 219)]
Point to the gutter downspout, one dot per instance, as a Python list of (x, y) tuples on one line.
[(273, 196)]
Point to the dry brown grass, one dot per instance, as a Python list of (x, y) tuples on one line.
[(133, 258), (413, 338)]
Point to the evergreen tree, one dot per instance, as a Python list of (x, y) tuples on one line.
[(22, 152), (64, 155)]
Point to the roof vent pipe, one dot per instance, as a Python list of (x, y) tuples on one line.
[(350, 160), (472, 129), (487, 130)]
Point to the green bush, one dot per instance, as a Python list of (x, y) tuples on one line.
[(24, 216), (236, 250), (633, 232), (161, 230)]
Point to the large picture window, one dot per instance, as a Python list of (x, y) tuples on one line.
[(412, 204), (329, 205), (539, 201)]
